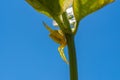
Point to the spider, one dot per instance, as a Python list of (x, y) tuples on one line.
[(59, 38)]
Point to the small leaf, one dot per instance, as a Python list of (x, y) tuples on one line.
[(83, 8), (50, 8)]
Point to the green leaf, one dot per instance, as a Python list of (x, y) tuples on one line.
[(50, 8), (82, 8)]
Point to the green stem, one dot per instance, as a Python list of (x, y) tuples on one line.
[(71, 48), (72, 57), (66, 21)]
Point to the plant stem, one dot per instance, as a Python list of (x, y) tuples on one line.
[(72, 57), (71, 48)]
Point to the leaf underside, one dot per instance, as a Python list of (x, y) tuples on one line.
[(50, 8), (82, 8)]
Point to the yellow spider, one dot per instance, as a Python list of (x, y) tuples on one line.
[(59, 38)]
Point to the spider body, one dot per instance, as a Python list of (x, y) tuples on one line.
[(59, 38)]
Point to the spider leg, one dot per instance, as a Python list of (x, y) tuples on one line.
[(61, 51), (47, 27)]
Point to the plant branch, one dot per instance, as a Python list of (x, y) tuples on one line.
[(66, 21), (76, 27)]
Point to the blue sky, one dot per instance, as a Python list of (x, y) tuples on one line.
[(27, 52)]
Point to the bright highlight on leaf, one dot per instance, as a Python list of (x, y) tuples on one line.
[(59, 38), (83, 8)]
